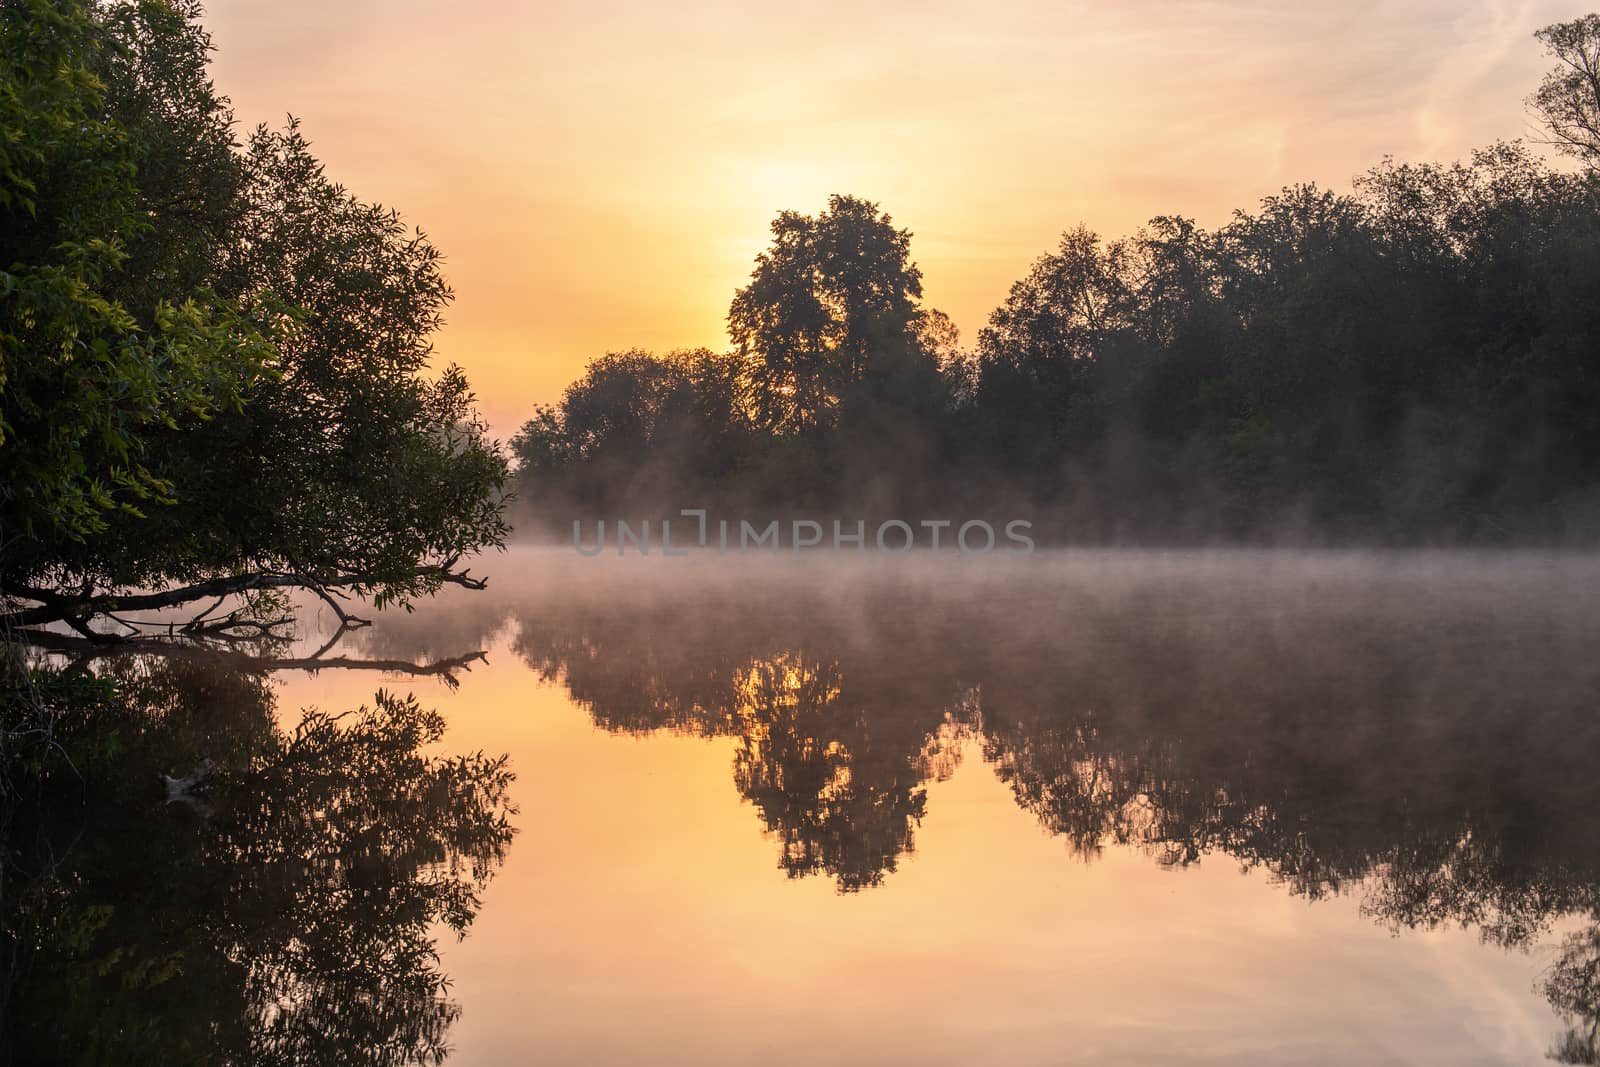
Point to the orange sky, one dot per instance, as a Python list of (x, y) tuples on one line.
[(600, 175)]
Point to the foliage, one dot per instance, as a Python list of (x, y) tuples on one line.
[(830, 294), (1411, 361), (216, 357), (636, 426), (87, 377), (287, 914), (1568, 100)]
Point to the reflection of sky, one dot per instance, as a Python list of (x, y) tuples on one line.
[(641, 916), (600, 176)]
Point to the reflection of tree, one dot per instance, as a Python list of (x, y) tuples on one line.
[(1087, 797), (1427, 745), (261, 653), (287, 917), (840, 799), (834, 762), (1573, 987)]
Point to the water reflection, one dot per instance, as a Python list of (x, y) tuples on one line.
[(1415, 733), (1422, 735), (286, 915)]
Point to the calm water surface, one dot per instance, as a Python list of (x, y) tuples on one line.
[(1067, 808), (1064, 808)]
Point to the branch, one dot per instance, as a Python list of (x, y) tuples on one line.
[(346, 620), (86, 651), (58, 607)]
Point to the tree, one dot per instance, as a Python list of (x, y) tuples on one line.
[(635, 420), (1409, 361), (1568, 100), (1039, 354), (830, 292), (222, 385), (88, 378)]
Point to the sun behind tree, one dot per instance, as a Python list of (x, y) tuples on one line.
[(830, 293)]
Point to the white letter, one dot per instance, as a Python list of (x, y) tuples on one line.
[(577, 538), (961, 536), (817, 540), (859, 537), (911, 537), (699, 513), (746, 531), (625, 534), (936, 525), (1022, 539), (666, 540)]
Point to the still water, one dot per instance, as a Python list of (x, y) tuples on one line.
[(1087, 807)]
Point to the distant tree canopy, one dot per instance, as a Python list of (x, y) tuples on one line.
[(214, 357), (1415, 360)]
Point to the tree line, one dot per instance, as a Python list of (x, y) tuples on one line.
[(1414, 360)]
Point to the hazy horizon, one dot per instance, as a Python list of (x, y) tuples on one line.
[(676, 136)]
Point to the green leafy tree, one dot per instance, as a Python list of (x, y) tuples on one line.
[(216, 358), (89, 378)]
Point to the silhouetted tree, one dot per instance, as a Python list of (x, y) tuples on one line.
[(824, 298), (1568, 100), (636, 429)]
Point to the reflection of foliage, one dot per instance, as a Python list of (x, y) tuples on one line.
[(840, 803), (1573, 987), (371, 842), (286, 919), (1426, 745), (1471, 882), (1086, 799), (833, 763)]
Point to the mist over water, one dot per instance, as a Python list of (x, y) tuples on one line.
[(1266, 806)]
